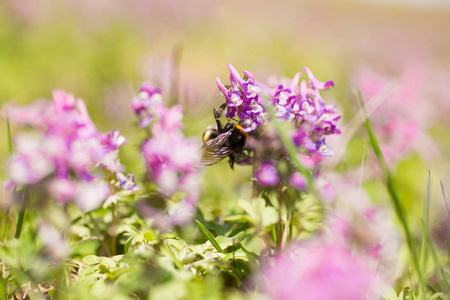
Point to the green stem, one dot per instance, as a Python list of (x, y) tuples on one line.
[(280, 219), (59, 282), (284, 236), (113, 229), (255, 191)]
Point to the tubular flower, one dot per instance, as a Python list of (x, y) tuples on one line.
[(299, 102)]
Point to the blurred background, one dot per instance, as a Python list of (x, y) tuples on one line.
[(102, 51)]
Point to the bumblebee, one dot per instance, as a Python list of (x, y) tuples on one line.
[(224, 141)]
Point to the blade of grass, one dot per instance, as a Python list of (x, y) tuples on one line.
[(10, 149), (448, 212), (426, 213), (25, 195), (25, 198), (394, 196), (445, 285), (361, 172), (8, 134), (209, 236), (445, 199)]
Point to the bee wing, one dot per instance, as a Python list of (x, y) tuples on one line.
[(214, 150)]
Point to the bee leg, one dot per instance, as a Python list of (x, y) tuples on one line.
[(217, 115), (218, 112), (231, 161)]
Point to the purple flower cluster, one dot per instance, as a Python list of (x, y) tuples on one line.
[(243, 99), (299, 103), (146, 103), (63, 150), (173, 160)]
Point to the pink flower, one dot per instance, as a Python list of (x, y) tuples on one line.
[(319, 272), (298, 181), (316, 84), (63, 149), (268, 174), (144, 104), (404, 115), (55, 246), (173, 162), (174, 165)]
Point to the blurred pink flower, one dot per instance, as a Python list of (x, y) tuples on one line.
[(319, 272), (267, 174), (173, 162), (403, 118), (55, 246), (145, 104), (298, 181), (63, 150), (373, 231)]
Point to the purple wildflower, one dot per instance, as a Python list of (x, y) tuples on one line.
[(298, 102), (145, 103), (127, 182), (243, 99), (316, 84)]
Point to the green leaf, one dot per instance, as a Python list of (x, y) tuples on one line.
[(135, 229), (128, 244), (88, 247), (91, 259), (388, 293), (249, 208), (104, 269), (269, 216), (238, 254), (253, 245), (209, 236), (239, 218), (149, 236)]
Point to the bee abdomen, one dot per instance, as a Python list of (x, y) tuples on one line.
[(209, 134)]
